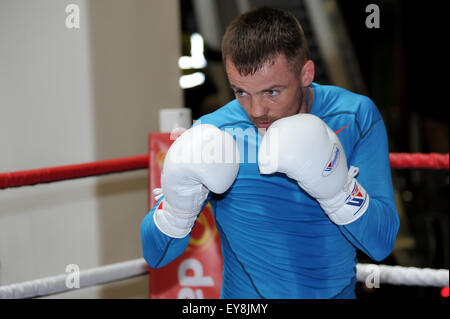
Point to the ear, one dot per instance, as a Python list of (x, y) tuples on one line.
[(307, 74)]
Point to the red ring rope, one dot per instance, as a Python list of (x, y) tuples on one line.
[(52, 174), (419, 160)]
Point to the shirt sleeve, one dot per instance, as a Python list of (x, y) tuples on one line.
[(159, 249), (375, 231)]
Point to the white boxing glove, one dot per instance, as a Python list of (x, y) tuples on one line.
[(304, 148), (202, 159)]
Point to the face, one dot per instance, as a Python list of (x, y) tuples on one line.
[(273, 92)]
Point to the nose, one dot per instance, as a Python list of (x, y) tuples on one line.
[(258, 109)]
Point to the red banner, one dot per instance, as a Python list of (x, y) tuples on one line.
[(197, 273)]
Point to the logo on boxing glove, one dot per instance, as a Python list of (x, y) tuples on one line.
[(358, 198), (333, 162)]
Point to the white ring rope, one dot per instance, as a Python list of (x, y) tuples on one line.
[(395, 275), (408, 276), (90, 277)]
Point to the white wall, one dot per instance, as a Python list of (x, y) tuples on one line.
[(79, 95)]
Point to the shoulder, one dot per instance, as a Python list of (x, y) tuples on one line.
[(230, 115), (337, 102)]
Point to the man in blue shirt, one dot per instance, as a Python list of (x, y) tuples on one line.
[(285, 233)]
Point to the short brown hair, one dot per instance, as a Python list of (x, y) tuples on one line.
[(260, 35)]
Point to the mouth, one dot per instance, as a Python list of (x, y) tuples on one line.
[(263, 125)]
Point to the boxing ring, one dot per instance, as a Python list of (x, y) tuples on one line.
[(385, 274)]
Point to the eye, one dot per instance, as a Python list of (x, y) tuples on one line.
[(240, 93), (273, 92)]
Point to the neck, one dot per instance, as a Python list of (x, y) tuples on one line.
[(307, 100)]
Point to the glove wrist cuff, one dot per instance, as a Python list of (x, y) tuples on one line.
[(173, 222), (348, 205)]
